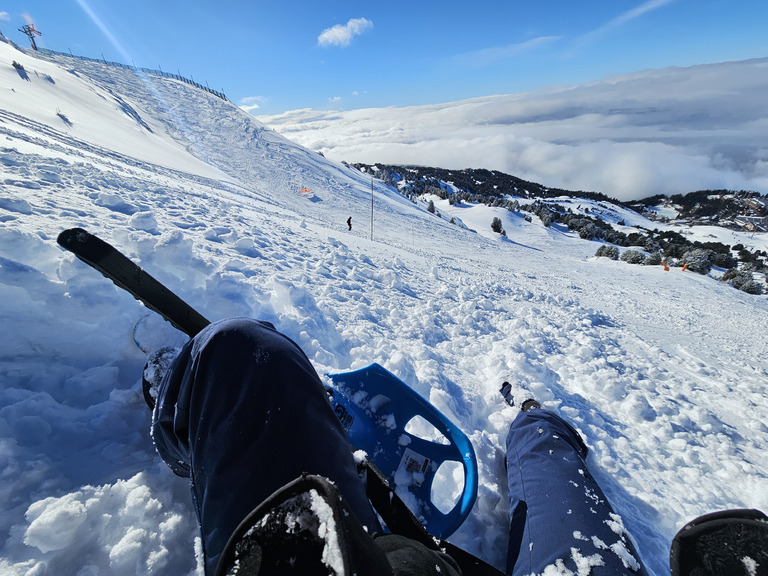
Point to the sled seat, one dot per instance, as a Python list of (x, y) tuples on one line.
[(376, 409)]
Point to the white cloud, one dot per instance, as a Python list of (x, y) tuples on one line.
[(621, 19), (251, 103), (342, 35), (644, 8), (4, 16), (480, 58), (668, 131)]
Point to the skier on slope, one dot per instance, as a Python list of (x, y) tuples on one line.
[(244, 415)]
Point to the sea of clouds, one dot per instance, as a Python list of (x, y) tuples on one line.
[(665, 131)]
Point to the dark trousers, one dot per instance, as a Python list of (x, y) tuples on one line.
[(559, 515), (242, 412)]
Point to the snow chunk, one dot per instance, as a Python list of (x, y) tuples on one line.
[(557, 569), (616, 524), (54, 522), (124, 522), (127, 548), (584, 564), (629, 561), (332, 554), (115, 203), (360, 456), (16, 205), (144, 221), (750, 565)]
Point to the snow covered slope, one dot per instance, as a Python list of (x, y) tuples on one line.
[(663, 372)]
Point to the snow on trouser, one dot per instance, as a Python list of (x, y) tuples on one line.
[(241, 430), (559, 515)]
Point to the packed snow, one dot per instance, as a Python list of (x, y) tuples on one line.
[(662, 372)]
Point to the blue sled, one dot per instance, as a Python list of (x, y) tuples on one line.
[(375, 407)]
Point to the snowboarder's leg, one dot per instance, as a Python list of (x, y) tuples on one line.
[(243, 412), (560, 516)]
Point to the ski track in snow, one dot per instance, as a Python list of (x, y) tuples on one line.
[(662, 372)]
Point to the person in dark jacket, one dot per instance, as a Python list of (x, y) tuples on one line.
[(242, 413)]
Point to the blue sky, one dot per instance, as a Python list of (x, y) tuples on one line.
[(352, 54)]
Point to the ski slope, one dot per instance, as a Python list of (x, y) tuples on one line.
[(662, 372)]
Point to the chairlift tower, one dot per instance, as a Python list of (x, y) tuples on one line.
[(29, 30)]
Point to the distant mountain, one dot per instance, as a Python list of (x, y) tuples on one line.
[(727, 208), (489, 184), (594, 216)]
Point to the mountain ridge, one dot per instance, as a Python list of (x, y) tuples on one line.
[(713, 204), (731, 210)]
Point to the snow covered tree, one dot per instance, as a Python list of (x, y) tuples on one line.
[(590, 231), (725, 260), (699, 260), (496, 225), (651, 245), (653, 259), (633, 257), (742, 280), (546, 215), (607, 251), (431, 207)]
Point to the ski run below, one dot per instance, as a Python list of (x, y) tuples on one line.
[(663, 373)]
